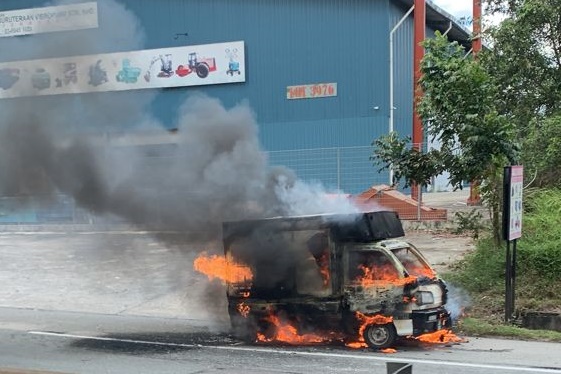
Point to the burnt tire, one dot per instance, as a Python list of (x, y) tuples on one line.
[(244, 329), (202, 70), (380, 336)]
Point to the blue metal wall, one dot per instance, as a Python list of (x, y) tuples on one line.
[(290, 42)]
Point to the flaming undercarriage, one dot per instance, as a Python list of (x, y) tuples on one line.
[(358, 318)]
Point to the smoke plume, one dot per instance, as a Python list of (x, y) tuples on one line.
[(87, 147), (215, 171), (458, 301)]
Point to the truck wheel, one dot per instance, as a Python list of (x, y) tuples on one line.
[(379, 336), (244, 329)]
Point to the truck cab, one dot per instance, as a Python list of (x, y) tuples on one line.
[(350, 276)]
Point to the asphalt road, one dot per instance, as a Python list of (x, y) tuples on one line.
[(72, 342), (128, 302)]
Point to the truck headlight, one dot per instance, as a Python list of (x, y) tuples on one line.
[(424, 297)]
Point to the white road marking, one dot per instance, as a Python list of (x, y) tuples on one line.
[(299, 353)]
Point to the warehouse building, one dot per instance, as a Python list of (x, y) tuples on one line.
[(319, 75)]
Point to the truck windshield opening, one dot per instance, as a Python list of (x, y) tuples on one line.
[(413, 263)]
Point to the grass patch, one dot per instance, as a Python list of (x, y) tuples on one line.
[(481, 273), (478, 327)]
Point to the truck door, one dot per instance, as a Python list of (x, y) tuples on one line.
[(374, 282), (313, 274)]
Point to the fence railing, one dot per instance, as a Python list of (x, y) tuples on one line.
[(342, 169), (347, 169)]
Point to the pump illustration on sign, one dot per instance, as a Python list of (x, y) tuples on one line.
[(41, 79), (128, 73), (233, 64)]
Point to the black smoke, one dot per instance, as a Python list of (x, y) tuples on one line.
[(215, 169), (86, 146)]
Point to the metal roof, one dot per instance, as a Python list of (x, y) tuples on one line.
[(439, 19)]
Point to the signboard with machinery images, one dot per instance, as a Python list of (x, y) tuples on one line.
[(512, 212), (48, 19), (155, 68)]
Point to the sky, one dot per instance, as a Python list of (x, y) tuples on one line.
[(457, 8), (464, 8)]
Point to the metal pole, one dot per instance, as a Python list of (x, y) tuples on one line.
[(477, 43), (513, 279), (419, 197), (418, 53), (508, 284), (448, 29), (392, 104), (474, 197)]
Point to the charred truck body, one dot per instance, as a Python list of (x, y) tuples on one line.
[(346, 274)]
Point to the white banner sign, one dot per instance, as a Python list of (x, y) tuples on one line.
[(48, 19), (156, 68), (515, 199)]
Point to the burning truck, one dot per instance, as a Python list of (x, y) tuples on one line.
[(322, 278)]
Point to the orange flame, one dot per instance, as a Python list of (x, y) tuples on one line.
[(409, 299), (286, 333), (365, 320), (357, 345), (323, 263), (219, 267), (382, 275), (243, 309), (440, 337), (421, 271), (388, 350)]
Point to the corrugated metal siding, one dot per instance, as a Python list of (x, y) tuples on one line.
[(6, 5), (403, 70), (289, 42)]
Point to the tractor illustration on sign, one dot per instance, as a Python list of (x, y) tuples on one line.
[(97, 74), (128, 73), (8, 77), (233, 64), (166, 69), (202, 67)]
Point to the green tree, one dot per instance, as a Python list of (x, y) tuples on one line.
[(525, 63), (542, 151), (459, 110)]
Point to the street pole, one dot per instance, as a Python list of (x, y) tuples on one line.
[(418, 54), (474, 197), (392, 103)]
